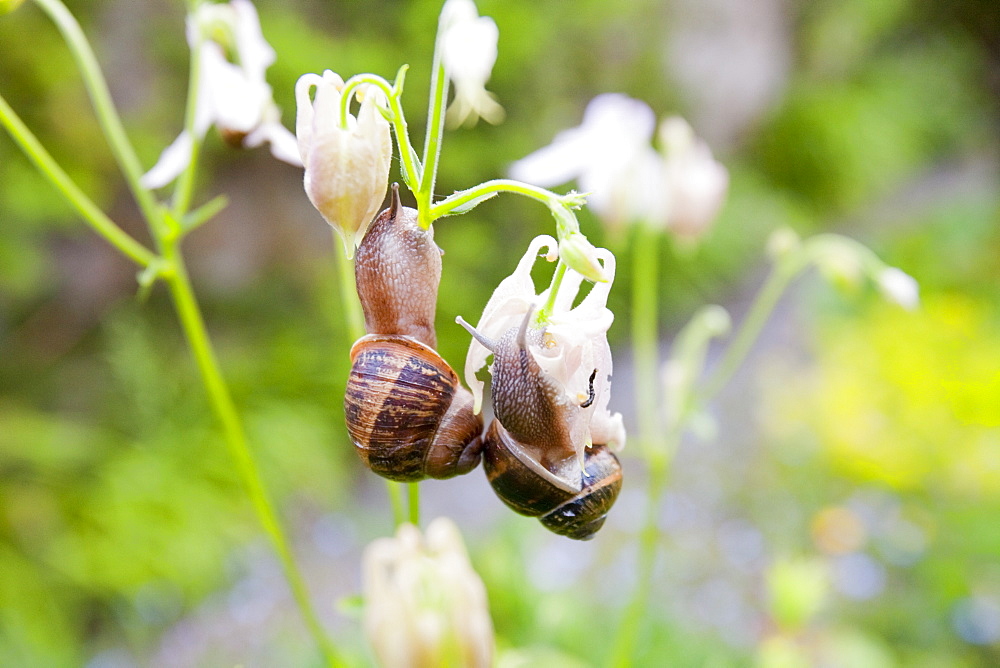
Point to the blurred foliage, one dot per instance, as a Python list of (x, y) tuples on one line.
[(121, 520)]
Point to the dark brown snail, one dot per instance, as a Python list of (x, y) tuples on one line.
[(407, 413), (529, 457)]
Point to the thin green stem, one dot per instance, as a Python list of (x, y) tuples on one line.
[(645, 325), (658, 451), (408, 160), (104, 107), (781, 275), (458, 201), (557, 278), (184, 189), (432, 141), (413, 499), (355, 330), (91, 213), (222, 404)]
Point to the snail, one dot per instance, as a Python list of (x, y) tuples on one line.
[(529, 455), (407, 414)]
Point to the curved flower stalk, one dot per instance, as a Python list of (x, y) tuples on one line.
[(346, 164), (568, 345), (468, 53), (424, 604), (233, 94)]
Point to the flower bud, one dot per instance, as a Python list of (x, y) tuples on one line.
[(424, 604), (696, 182), (346, 167), (899, 287), (581, 256)]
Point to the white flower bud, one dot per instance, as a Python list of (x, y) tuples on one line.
[(424, 604), (347, 168), (898, 286), (468, 52), (696, 183)]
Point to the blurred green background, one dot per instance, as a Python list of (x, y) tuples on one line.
[(847, 511)]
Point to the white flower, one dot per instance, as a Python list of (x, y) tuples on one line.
[(347, 169), (610, 157), (424, 604), (232, 94), (468, 52), (696, 184), (899, 287), (574, 343)]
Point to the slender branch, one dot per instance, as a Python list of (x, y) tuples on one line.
[(104, 107), (184, 188), (432, 140), (459, 202), (222, 404), (91, 213)]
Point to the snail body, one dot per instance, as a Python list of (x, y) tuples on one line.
[(407, 413), (529, 455)]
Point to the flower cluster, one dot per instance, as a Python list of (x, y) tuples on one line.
[(680, 187), (574, 343), (232, 94)]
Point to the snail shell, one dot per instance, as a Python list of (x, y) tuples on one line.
[(572, 510), (528, 453), (407, 414)]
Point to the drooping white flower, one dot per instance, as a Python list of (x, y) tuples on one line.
[(346, 168), (468, 52), (610, 157), (695, 183), (573, 343), (424, 604), (233, 93), (899, 287)]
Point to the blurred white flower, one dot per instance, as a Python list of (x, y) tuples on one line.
[(346, 169), (610, 157), (468, 52), (573, 343), (424, 604), (898, 286), (696, 184), (232, 92)]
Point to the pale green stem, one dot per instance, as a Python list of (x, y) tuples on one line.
[(184, 189), (356, 329), (432, 141), (91, 213), (557, 278), (411, 168), (658, 452), (486, 190), (104, 107), (414, 503), (222, 404), (781, 275)]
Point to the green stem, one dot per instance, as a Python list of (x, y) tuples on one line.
[(222, 404), (432, 141), (488, 189), (107, 115), (781, 275), (356, 329), (184, 189), (407, 158), (91, 213), (414, 503), (658, 451), (557, 278)]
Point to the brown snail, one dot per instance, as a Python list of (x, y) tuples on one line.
[(529, 455), (407, 413)]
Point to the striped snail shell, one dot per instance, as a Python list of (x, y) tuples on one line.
[(407, 413)]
